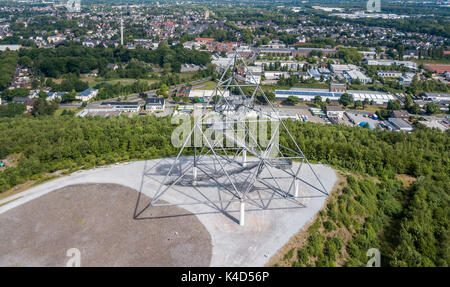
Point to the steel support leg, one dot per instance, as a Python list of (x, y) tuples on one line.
[(242, 214), (295, 187)]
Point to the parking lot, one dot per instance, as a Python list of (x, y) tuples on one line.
[(304, 111)]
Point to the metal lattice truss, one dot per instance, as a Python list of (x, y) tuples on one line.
[(233, 164)]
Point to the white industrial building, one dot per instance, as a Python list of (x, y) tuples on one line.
[(275, 75), (389, 74), (353, 75), (291, 65), (380, 62), (308, 95), (340, 68), (378, 98), (436, 97), (206, 93), (86, 95), (11, 47), (111, 108), (335, 112), (399, 125), (122, 106), (253, 79), (254, 74)]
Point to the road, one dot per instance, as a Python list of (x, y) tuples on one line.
[(135, 97)]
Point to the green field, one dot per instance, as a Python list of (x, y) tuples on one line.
[(125, 81), (426, 61), (60, 110), (209, 85)]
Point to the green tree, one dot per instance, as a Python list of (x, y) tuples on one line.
[(394, 105), (291, 100), (408, 102), (431, 108), (163, 91), (318, 100), (414, 109), (42, 107), (12, 109), (346, 99)]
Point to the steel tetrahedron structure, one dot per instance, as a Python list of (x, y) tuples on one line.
[(244, 156)]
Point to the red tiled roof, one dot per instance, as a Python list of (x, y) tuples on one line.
[(438, 68), (225, 44), (204, 39)]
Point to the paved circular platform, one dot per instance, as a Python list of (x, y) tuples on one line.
[(264, 233)]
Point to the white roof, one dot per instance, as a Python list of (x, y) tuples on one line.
[(206, 93), (355, 74)]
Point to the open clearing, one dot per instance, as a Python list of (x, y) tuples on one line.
[(97, 219), (40, 224)]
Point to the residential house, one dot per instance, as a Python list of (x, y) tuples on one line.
[(86, 95), (24, 100), (155, 104), (402, 114)]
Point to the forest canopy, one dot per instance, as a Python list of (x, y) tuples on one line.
[(77, 59)]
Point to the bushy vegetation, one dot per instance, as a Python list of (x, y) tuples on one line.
[(8, 63), (18, 92), (55, 143), (409, 224), (77, 59), (11, 110)]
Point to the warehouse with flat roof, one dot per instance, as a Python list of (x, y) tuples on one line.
[(308, 95), (400, 125)]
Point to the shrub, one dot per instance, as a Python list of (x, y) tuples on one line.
[(289, 254), (329, 226)]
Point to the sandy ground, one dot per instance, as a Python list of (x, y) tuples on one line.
[(97, 219), (266, 230)]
